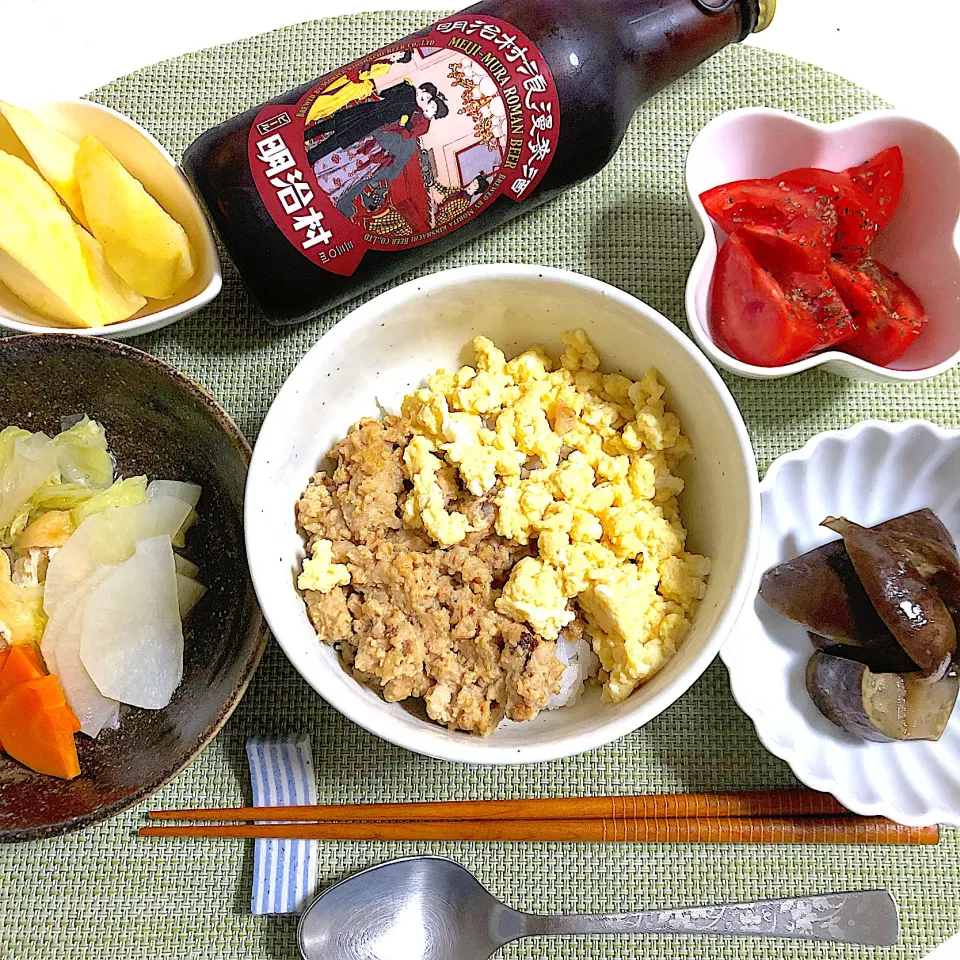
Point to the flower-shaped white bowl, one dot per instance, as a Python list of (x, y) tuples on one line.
[(870, 473), (153, 166), (387, 348), (922, 242)]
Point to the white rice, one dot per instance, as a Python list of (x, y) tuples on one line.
[(581, 663)]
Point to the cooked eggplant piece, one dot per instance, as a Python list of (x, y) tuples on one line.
[(923, 538), (869, 705), (910, 607), (923, 524), (820, 590), (826, 644), (929, 706), (889, 658), (882, 707)]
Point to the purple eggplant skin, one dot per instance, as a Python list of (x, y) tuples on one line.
[(927, 543), (910, 607), (846, 693), (923, 524), (820, 590), (890, 658), (880, 707)]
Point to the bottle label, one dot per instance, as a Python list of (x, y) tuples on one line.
[(408, 144)]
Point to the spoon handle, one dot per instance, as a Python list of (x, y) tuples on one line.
[(868, 917)]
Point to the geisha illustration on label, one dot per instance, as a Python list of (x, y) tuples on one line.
[(407, 144)]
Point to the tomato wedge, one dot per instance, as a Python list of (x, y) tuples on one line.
[(857, 214), (881, 179), (802, 245), (888, 314), (752, 315), (815, 295), (789, 229)]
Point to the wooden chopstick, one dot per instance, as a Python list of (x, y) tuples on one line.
[(852, 829), (769, 803)]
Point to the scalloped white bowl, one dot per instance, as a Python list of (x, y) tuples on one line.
[(922, 242), (389, 346), (869, 473)]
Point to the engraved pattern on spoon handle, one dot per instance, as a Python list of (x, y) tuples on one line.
[(868, 917)]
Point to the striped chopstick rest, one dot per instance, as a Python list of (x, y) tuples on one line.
[(284, 871)]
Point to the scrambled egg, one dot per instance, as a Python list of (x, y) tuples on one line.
[(582, 463), (425, 505), (319, 572)]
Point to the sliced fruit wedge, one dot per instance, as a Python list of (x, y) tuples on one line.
[(54, 154), (43, 262)]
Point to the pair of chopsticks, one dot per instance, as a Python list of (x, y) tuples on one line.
[(778, 816)]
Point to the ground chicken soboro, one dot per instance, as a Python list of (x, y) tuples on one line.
[(512, 503), (417, 620)]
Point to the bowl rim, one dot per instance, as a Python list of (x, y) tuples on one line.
[(835, 361), (136, 326), (242, 446), (794, 758), (476, 750)]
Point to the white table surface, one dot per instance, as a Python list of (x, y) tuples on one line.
[(80, 44), (904, 50)]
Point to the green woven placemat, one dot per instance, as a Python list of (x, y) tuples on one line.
[(103, 895)]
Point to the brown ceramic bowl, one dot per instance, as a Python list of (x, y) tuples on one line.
[(160, 424)]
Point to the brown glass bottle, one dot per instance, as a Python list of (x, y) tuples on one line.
[(606, 58)]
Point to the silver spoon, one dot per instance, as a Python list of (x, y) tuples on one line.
[(429, 908)]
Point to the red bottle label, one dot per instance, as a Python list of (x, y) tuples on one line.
[(408, 144)]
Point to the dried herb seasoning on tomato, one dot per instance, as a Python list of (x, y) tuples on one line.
[(795, 276)]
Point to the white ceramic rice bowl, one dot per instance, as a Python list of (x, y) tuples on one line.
[(388, 347)]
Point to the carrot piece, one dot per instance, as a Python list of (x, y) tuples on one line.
[(72, 720), (22, 664), (4, 653), (42, 693), (36, 728)]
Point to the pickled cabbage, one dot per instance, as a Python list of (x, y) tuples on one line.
[(123, 493), (9, 437), (53, 495), (82, 454), (115, 592), (27, 460), (132, 640)]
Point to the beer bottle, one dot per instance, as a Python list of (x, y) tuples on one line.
[(380, 165)]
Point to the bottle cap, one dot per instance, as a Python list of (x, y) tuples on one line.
[(768, 9)]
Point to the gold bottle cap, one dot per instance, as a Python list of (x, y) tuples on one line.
[(768, 9)]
